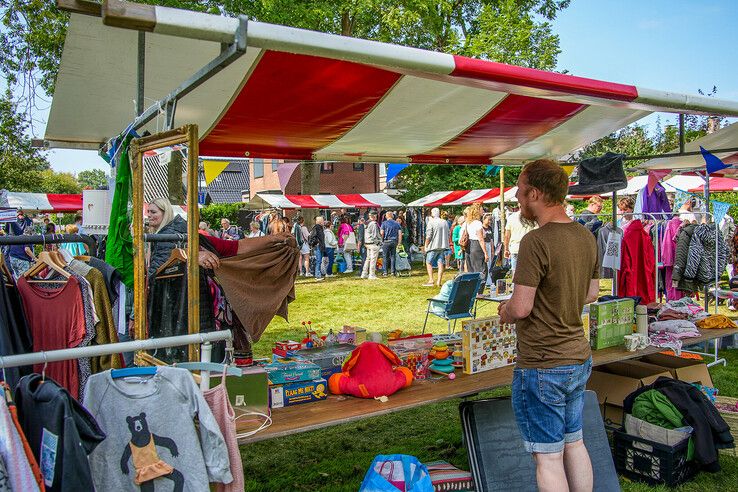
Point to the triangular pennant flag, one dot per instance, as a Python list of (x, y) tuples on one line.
[(719, 209), (284, 172), (680, 198), (712, 162), (494, 170), (393, 170), (213, 169), (654, 177), (568, 169)]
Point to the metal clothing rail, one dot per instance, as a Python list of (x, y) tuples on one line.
[(112, 348), (51, 239)]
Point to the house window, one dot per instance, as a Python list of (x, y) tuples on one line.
[(274, 165), (326, 168), (359, 166), (258, 168)]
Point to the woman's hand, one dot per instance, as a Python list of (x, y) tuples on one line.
[(206, 259)]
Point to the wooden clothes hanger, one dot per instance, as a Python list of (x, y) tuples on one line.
[(178, 255), (44, 260), (5, 271)]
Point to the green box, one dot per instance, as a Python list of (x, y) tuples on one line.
[(609, 335), (609, 322)]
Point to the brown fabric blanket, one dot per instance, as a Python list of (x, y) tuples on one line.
[(260, 282)]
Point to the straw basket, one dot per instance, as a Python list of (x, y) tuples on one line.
[(732, 420)]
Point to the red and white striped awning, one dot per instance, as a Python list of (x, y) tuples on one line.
[(463, 197), (304, 95), (44, 202), (718, 184), (356, 200)]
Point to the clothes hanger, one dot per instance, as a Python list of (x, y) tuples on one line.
[(5, 271), (132, 371), (44, 261)]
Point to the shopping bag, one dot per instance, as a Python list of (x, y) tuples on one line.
[(396, 472), (349, 244)]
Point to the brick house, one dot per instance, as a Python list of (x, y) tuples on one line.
[(335, 178)]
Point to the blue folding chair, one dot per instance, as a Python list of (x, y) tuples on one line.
[(460, 302)]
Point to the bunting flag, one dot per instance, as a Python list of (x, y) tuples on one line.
[(285, 170), (712, 162), (494, 170), (393, 170), (654, 177), (680, 198), (213, 169), (568, 169), (719, 209)]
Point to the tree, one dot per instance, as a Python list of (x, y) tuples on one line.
[(93, 179), (20, 164), (53, 182)]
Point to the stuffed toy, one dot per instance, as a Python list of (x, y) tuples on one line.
[(372, 370)]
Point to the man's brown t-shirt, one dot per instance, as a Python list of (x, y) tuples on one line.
[(559, 260)]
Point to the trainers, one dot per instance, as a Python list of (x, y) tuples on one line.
[(349, 271), (363, 276), (330, 275), (318, 279), (372, 277), (384, 274)]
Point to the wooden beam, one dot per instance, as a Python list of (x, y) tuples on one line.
[(84, 7), (193, 238), (129, 15)]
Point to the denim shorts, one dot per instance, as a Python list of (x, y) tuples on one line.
[(434, 257), (548, 405)]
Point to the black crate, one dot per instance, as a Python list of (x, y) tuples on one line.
[(647, 461)]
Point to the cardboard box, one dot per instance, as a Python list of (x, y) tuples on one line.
[(286, 395), (329, 358), (486, 344), (609, 322), (689, 370), (248, 392), (288, 370), (614, 382)]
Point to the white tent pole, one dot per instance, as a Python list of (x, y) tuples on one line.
[(112, 348)]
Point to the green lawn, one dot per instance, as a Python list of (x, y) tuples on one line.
[(336, 458)]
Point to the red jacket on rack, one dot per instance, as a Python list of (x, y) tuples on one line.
[(637, 264)]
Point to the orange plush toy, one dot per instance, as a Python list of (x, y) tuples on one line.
[(372, 370)]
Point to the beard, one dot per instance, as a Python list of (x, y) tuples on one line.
[(527, 221)]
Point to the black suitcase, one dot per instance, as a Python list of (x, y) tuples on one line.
[(498, 460)]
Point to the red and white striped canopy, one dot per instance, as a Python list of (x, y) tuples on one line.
[(44, 202), (463, 197), (356, 200), (303, 95), (718, 184)]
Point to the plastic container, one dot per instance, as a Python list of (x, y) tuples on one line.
[(650, 462), (641, 319)]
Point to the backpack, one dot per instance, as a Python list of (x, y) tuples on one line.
[(297, 232)]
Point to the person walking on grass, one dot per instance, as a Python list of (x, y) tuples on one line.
[(372, 239), (301, 236), (436, 244), (391, 236), (316, 240), (331, 245), (554, 358), (345, 232), (455, 236)]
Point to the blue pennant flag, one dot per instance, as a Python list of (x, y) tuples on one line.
[(495, 170), (719, 209), (393, 170), (712, 162)]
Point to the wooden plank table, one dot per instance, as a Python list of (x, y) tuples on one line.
[(340, 409)]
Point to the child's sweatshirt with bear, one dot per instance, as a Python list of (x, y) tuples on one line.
[(152, 440)]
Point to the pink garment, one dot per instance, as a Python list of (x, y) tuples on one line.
[(343, 232), (217, 399), (668, 255)]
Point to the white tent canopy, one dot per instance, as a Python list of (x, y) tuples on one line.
[(357, 200)]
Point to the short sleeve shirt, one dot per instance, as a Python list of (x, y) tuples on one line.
[(391, 229), (559, 260)]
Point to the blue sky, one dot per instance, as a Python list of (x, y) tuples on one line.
[(677, 45)]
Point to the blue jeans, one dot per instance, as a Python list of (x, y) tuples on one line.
[(331, 254), (548, 405), (318, 262), (389, 250)]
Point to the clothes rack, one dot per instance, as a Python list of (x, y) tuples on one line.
[(52, 239), (117, 348)]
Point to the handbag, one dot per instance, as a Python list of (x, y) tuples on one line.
[(396, 472), (349, 244), (464, 239)]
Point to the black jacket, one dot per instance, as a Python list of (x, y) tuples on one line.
[(711, 432), (318, 233), (160, 251)]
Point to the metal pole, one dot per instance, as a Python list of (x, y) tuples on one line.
[(139, 265), (141, 72), (502, 201), (205, 355), (112, 348), (614, 287), (681, 133)]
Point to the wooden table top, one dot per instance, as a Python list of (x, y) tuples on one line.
[(340, 409)]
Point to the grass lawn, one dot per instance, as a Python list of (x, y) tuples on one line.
[(336, 458)]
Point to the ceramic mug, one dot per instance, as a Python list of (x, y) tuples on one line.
[(642, 339), (631, 343)]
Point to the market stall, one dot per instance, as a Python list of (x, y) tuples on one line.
[(41, 202), (454, 110), (461, 197), (356, 200)]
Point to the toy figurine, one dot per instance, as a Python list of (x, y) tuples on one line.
[(372, 370)]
